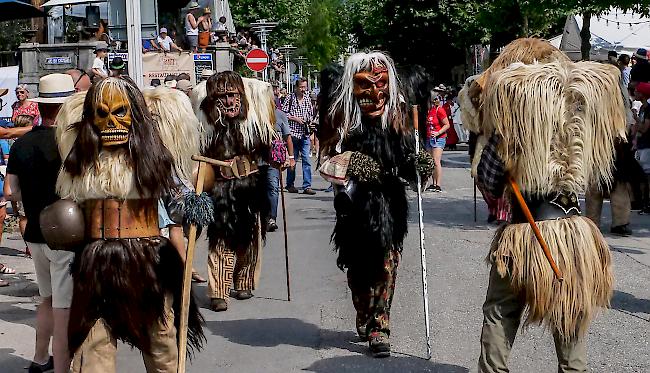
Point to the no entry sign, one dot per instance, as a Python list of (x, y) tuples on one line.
[(257, 60)]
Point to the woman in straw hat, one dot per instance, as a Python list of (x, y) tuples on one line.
[(192, 26)]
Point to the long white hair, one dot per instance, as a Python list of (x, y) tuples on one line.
[(345, 102)]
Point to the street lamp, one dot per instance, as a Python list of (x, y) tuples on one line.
[(263, 28), (287, 50), (300, 60)]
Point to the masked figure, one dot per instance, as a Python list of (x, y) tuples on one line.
[(540, 130), (238, 117), (365, 117), (127, 278)]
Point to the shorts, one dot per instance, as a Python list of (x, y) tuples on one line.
[(53, 274), (17, 209), (164, 220), (433, 143), (193, 41), (643, 157)]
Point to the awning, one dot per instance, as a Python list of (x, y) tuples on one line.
[(15, 9), (70, 2)]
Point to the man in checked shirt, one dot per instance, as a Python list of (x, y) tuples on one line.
[(299, 112)]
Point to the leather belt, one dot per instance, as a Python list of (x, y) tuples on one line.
[(560, 206), (240, 167), (115, 219)]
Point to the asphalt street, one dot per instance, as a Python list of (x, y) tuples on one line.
[(315, 331)]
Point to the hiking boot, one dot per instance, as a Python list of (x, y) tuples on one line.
[(272, 226), (621, 230), (379, 345), (40, 368), (309, 192), (241, 294), (218, 304), (292, 189)]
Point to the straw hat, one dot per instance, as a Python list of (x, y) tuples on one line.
[(192, 5), (3, 91), (184, 85), (207, 11), (54, 89)]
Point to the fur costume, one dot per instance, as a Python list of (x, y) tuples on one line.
[(124, 281), (558, 123), (376, 220), (367, 109), (237, 202)]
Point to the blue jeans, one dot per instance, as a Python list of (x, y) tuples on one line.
[(301, 149), (273, 188)]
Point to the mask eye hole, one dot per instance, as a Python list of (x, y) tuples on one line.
[(120, 112), (102, 113)]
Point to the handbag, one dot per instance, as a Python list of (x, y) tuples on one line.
[(279, 152), (335, 169), (204, 39)]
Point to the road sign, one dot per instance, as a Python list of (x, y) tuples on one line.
[(257, 60)]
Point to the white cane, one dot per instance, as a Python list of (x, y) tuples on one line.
[(423, 253)]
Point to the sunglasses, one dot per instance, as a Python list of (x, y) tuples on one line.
[(20, 92)]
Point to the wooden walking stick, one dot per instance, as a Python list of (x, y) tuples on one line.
[(475, 217), (286, 241), (187, 278), (538, 234), (423, 255)]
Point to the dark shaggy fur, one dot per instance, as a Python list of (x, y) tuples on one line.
[(151, 161), (237, 202), (377, 219), (124, 282), (328, 130), (212, 86), (416, 88)]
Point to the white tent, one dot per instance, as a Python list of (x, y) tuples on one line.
[(616, 30)]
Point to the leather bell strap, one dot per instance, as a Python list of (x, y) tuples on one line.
[(241, 167), (560, 206), (116, 219)]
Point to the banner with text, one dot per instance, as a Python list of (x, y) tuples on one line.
[(160, 65)]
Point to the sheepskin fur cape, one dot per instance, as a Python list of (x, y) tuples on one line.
[(241, 205), (558, 123), (125, 281)]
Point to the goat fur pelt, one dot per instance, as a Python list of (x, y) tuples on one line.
[(124, 282), (260, 120), (177, 125), (558, 124), (178, 129), (377, 218), (583, 257)]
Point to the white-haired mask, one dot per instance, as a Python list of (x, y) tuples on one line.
[(371, 90)]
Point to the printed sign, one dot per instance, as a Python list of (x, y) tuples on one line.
[(58, 60), (160, 65), (202, 61)]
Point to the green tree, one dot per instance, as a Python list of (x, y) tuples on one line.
[(11, 34), (325, 36), (291, 15)]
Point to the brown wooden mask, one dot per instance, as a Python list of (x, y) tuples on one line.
[(371, 90), (113, 116), (229, 97)]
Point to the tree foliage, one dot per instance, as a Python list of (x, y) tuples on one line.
[(11, 34), (325, 35)]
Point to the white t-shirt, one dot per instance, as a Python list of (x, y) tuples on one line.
[(165, 43), (99, 65)]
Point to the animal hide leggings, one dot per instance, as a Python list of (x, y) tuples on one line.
[(228, 269), (372, 301)]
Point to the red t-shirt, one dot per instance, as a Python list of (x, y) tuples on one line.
[(434, 121)]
